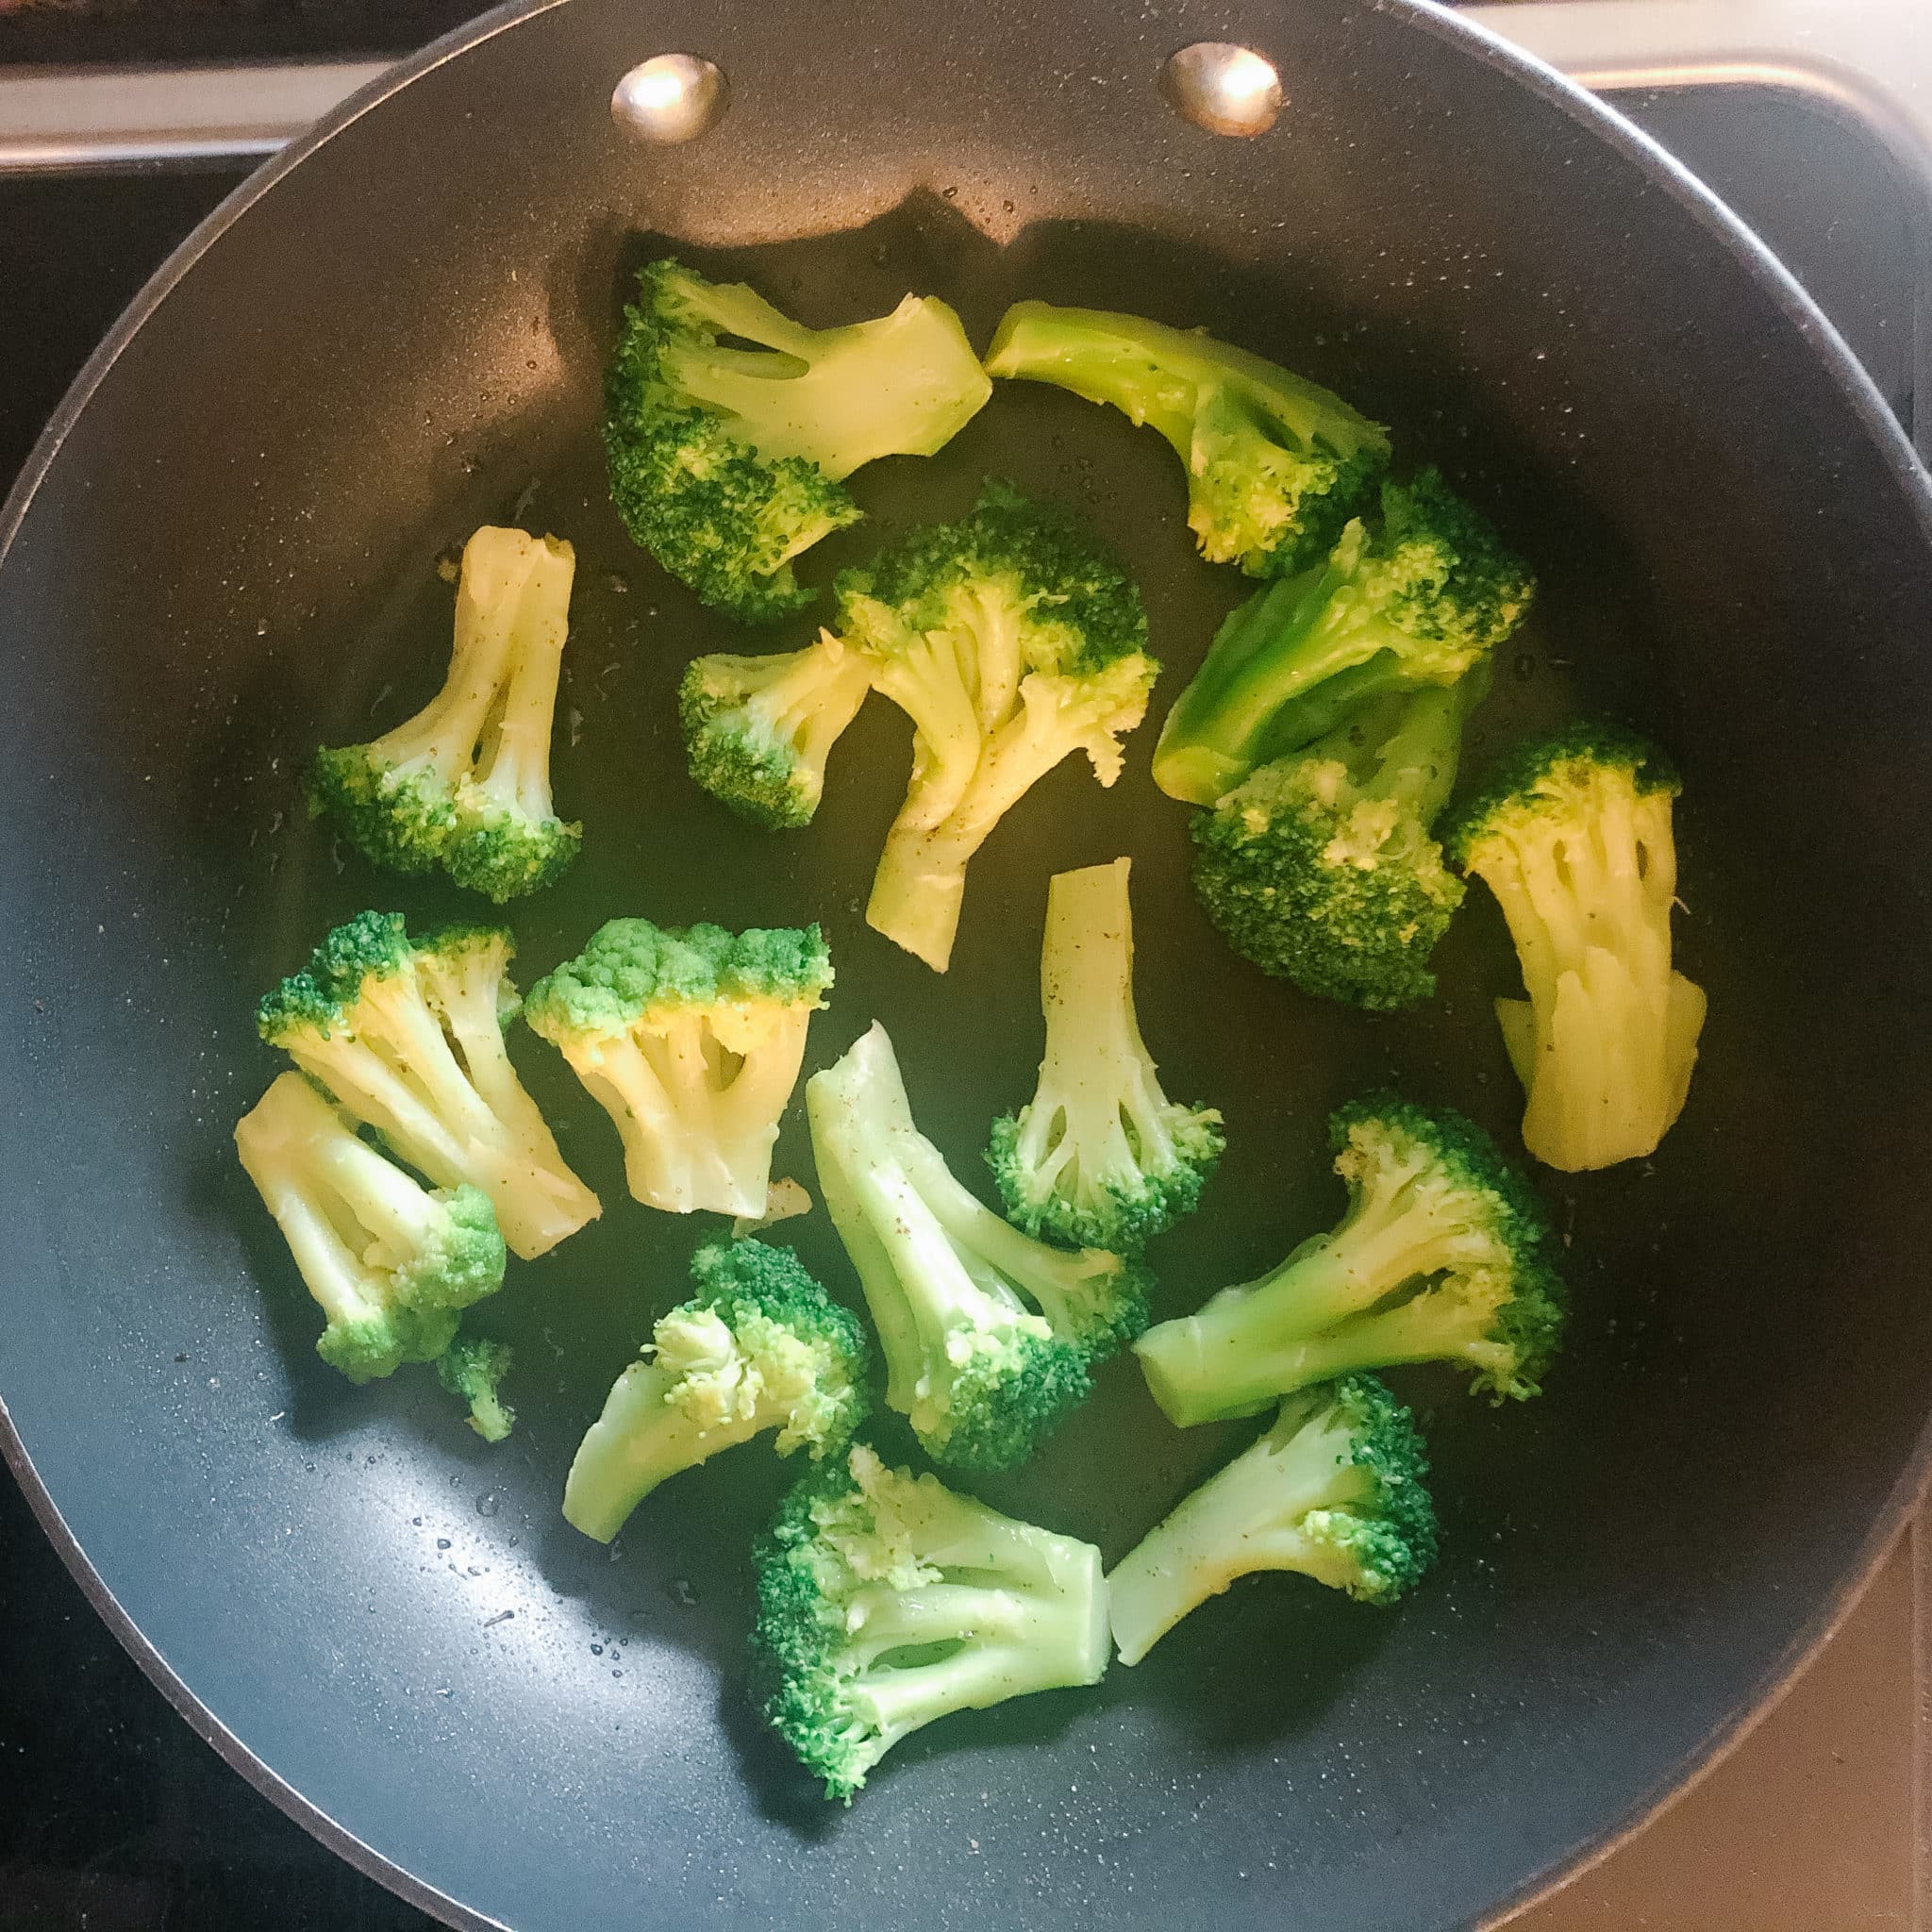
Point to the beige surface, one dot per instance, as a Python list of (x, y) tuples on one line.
[(1806, 1827)]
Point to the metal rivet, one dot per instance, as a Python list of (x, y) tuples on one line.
[(1223, 87), (670, 97)]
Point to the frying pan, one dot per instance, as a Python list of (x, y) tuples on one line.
[(225, 551)]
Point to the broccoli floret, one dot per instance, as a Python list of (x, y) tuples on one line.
[(407, 1035), (389, 1263), (691, 1039), (885, 1601), (952, 1288), (464, 786), (727, 462), (1443, 1255), (1100, 1157), (1319, 868), (759, 1346), (1276, 465), (1335, 1490), (471, 1368), (758, 730), (1574, 838), (1011, 639), (1421, 599)]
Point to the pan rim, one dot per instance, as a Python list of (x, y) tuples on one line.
[(1588, 112)]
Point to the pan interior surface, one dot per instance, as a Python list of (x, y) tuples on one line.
[(232, 556)]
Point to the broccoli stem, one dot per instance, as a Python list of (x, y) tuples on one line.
[(1283, 643), (1405, 747), (452, 1116), (1589, 913), (514, 740), (1151, 374), (1251, 1343), (920, 882), (951, 1294), (1066, 1286), (347, 1212), (902, 384), (638, 1440), (1007, 1647), (1447, 1324), (810, 703), (1099, 1101), (1243, 1520), (690, 1141)]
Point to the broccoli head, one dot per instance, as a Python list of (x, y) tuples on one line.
[(758, 730), (692, 1040), (1575, 839), (1421, 598), (471, 1368), (1100, 1157), (760, 1347), (407, 1035), (990, 1336), (727, 462), (1443, 1255), (464, 786), (1012, 639), (1318, 867), (1276, 465), (886, 1601), (1334, 1490), (389, 1263)]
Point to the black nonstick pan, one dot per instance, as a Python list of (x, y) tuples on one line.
[(225, 551)]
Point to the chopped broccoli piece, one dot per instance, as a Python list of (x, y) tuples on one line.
[(1420, 599), (759, 1346), (758, 730), (1574, 838), (389, 1263), (885, 1601), (726, 463), (952, 1288), (407, 1035), (1334, 1490), (471, 1368), (1443, 1255), (691, 1039), (1276, 465), (1318, 867), (1100, 1157), (464, 786), (1012, 639)]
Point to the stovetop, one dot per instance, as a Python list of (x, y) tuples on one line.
[(116, 1817)]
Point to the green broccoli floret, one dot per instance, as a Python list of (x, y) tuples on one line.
[(1573, 837), (758, 730), (885, 1601), (389, 1263), (407, 1035), (1100, 1157), (1319, 868), (1444, 1255), (1421, 599), (1276, 465), (1335, 1490), (1012, 639), (759, 1346), (471, 1368), (692, 1040), (464, 786), (952, 1288), (727, 461)]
